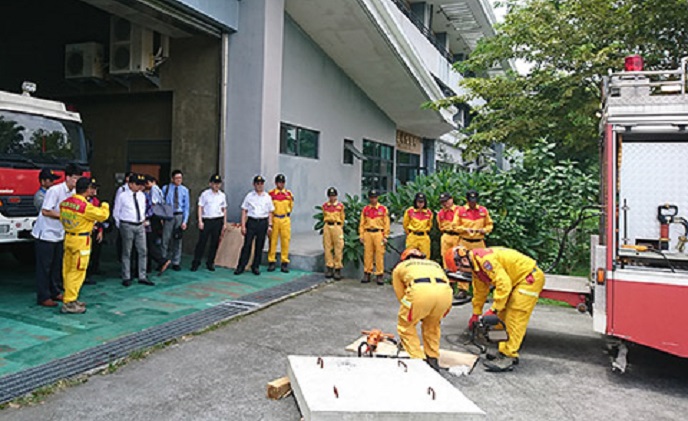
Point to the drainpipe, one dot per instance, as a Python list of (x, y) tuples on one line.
[(223, 104)]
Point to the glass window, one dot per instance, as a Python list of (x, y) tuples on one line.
[(299, 141), (348, 155), (408, 167), (378, 168)]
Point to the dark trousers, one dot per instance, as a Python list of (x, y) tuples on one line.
[(154, 253), (212, 230), (48, 269), (256, 229), (94, 260)]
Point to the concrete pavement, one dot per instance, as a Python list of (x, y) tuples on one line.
[(564, 371)]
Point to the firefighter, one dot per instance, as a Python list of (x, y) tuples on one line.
[(78, 216), (333, 235), (517, 283), (473, 223), (283, 201), (446, 222), (423, 290), (373, 231), (417, 225)]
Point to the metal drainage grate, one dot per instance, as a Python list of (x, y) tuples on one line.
[(20, 383)]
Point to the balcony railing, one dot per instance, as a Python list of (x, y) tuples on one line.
[(427, 32)]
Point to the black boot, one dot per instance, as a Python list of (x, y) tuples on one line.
[(366, 278), (432, 362), (328, 272), (271, 267), (337, 274), (379, 280), (285, 268)]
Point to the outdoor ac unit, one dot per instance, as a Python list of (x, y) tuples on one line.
[(131, 47), (84, 60)]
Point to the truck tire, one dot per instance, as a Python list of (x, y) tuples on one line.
[(24, 253)]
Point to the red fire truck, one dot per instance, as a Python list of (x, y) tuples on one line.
[(34, 134), (639, 261)]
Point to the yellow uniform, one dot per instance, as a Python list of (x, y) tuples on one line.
[(373, 229), (333, 233), (422, 288), (281, 224), (417, 224), (448, 225), (469, 221), (78, 217), (517, 285)]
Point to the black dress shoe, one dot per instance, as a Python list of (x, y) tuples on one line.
[(194, 268), (210, 267), (255, 271), (238, 271), (146, 282), (126, 282), (271, 267), (176, 268), (285, 268)]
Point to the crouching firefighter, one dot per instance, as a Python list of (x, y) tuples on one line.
[(78, 217), (517, 283), (423, 290)]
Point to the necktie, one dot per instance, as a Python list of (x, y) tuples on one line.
[(138, 211), (176, 198)]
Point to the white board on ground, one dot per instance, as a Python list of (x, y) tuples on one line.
[(375, 389)]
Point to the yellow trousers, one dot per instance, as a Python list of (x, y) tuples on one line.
[(333, 243), (373, 251), (427, 303), (77, 252), (281, 229), (420, 242), (517, 312), (446, 242)]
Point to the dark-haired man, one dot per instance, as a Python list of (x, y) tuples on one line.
[(176, 195)]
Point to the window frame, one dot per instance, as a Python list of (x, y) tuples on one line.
[(298, 130)]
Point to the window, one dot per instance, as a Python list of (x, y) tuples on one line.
[(378, 168), (348, 155), (298, 141), (408, 167)]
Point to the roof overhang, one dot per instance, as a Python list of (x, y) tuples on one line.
[(366, 42)]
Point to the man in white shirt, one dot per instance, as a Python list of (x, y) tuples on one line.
[(49, 235), (256, 223), (129, 215), (212, 218)]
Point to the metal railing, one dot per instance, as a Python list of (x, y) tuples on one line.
[(427, 32), (663, 81)]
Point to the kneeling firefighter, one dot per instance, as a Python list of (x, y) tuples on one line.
[(517, 283), (423, 290)]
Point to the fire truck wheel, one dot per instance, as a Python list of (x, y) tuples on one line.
[(24, 253), (582, 308)]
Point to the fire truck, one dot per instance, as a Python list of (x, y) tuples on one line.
[(640, 260), (34, 134)]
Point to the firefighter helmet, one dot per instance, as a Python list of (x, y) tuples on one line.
[(412, 253), (453, 256)]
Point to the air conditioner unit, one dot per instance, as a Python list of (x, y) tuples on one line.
[(84, 60), (131, 47)]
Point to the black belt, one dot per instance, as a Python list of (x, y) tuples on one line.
[(450, 232), (282, 216), (80, 234), (333, 223), (373, 230), (471, 240), (178, 213), (428, 280), (257, 219), (418, 232), (212, 219), (131, 223)]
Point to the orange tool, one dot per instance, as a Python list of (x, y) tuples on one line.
[(374, 337)]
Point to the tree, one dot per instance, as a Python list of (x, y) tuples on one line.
[(570, 45)]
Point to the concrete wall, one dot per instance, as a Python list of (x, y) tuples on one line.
[(318, 95), (226, 12)]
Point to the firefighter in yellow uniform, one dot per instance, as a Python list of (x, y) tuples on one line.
[(447, 223), (423, 290), (333, 234), (517, 283), (417, 224), (373, 231), (78, 216), (283, 200), (474, 223)]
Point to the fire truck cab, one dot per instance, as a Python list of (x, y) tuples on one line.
[(34, 134), (640, 259)]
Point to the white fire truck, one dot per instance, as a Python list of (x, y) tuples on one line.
[(640, 259)]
